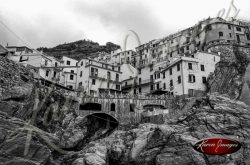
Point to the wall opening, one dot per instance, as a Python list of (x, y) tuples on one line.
[(132, 107), (90, 107), (112, 107)]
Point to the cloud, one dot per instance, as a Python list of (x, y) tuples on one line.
[(49, 23), (122, 16)]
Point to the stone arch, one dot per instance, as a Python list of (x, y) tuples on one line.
[(101, 121)]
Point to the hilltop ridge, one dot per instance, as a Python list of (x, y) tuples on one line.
[(79, 49)]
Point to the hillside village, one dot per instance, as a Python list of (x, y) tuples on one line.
[(176, 65), (151, 105)]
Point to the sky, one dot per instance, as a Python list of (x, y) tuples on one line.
[(47, 23)]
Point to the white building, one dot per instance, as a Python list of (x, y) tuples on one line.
[(68, 76), (95, 77), (16, 52), (186, 75)]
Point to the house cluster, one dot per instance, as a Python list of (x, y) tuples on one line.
[(178, 64)]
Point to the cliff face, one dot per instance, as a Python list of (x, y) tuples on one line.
[(230, 76)]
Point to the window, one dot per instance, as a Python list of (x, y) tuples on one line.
[(117, 87), (170, 71), (230, 35), (204, 80), (158, 75), (113, 68), (179, 79), (220, 34), (93, 81), (117, 77), (238, 38), (139, 80), (139, 90), (71, 77), (163, 74), (108, 75), (134, 91), (187, 47), (164, 86), (82, 63), (191, 78), (171, 83), (81, 74), (248, 36), (151, 78), (71, 71), (46, 62), (139, 71), (80, 84), (152, 87), (94, 72), (190, 92), (55, 64), (151, 67), (202, 68), (47, 73), (119, 68), (209, 27), (54, 74), (68, 62), (112, 108), (190, 66), (70, 86), (229, 26), (238, 29), (108, 85), (171, 54), (178, 67)]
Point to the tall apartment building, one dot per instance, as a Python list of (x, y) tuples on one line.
[(68, 76), (186, 75), (94, 77)]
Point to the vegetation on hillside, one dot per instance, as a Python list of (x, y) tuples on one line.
[(79, 49)]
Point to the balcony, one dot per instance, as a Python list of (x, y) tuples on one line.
[(146, 82)]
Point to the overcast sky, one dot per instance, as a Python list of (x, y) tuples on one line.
[(51, 22)]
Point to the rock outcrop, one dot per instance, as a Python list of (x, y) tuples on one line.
[(230, 73), (172, 142)]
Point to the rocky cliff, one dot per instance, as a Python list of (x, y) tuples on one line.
[(231, 75)]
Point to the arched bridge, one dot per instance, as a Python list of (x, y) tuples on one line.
[(121, 110)]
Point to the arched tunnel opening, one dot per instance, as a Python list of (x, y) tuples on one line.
[(101, 125), (98, 125)]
